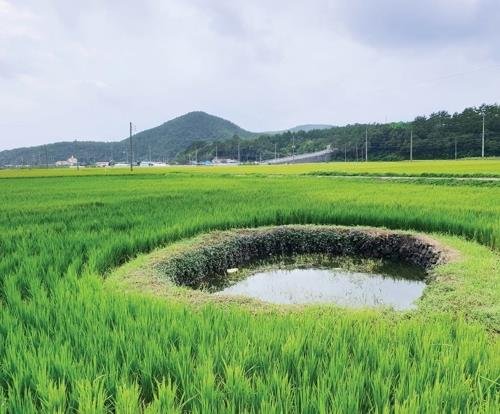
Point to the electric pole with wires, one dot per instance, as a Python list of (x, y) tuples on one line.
[(482, 138), (411, 144), (131, 152), (366, 144)]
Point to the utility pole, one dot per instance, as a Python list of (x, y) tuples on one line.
[(239, 154), (46, 157), (366, 144), (411, 145), (196, 155), (216, 158), (293, 147), (482, 138), (345, 152), (275, 150), (131, 154), (455, 147), (357, 158)]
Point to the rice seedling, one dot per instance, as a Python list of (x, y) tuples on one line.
[(68, 342), (489, 167)]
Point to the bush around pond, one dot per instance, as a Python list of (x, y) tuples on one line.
[(207, 260)]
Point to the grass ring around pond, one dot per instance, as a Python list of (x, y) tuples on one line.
[(185, 271), (206, 263)]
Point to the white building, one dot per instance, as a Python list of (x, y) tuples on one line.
[(225, 161), (71, 161), (152, 164)]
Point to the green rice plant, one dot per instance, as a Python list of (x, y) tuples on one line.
[(71, 343), (91, 396), (489, 167)]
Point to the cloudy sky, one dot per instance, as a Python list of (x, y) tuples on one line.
[(83, 70)]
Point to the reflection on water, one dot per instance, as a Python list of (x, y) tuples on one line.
[(337, 286)]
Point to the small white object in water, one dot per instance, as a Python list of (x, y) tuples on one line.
[(232, 270)]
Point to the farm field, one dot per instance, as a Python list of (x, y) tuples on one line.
[(73, 337), (431, 168)]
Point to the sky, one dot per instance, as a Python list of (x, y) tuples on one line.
[(83, 70)]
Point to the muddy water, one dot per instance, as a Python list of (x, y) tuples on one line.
[(344, 288)]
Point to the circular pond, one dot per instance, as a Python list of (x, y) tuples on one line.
[(237, 262), (319, 285)]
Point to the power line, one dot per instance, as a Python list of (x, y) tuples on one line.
[(131, 153), (482, 139), (411, 145), (366, 144)]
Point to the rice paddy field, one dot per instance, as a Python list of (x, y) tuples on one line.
[(429, 168), (77, 335)]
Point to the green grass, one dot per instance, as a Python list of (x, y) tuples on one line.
[(466, 286), (88, 349), (70, 342)]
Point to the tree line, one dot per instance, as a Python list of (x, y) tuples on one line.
[(438, 136), (194, 137)]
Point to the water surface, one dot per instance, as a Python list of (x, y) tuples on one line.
[(345, 288)]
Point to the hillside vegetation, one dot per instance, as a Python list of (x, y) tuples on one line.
[(434, 137), (164, 141), (199, 136)]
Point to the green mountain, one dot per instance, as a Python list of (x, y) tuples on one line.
[(438, 136), (198, 135), (177, 134), (305, 128), (164, 142), (309, 127)]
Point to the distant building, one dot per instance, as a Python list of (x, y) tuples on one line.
[(71, 161), (102, 164), (152, 164), (225, 161)]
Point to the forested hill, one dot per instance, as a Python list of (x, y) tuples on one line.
[(434, 137), (176, 135), (198, 135), (165, 142)]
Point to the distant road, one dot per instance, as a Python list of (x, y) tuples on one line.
[(310, 157)]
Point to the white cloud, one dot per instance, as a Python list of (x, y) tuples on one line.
[(83, 70)]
